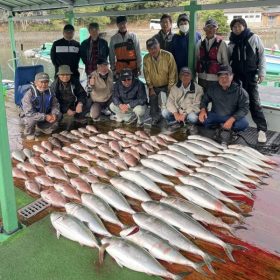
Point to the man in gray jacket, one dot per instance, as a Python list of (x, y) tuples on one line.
[(40, 108), (230, 103)]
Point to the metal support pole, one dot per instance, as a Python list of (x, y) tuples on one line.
[(193, 8), (12, 40), (70, 16), (7, 192)]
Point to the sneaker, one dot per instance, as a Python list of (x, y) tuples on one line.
[(30, 137), (192, 129), (106, 112), (132, 119), (115, 118), (262, 137)]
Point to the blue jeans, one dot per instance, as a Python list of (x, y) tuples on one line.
[(214, 119), (191, 117)]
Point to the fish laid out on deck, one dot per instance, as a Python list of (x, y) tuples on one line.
[(95, 175)]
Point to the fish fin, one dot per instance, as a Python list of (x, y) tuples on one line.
[(207, 260), (102, 252), (230, 247), (199, 268), (240, 227), (238, 247)]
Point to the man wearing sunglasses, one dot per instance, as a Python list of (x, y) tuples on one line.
[(129, 99)]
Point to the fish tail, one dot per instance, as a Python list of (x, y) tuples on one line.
[(208, 259), (102, 252), (180, 276), (199, 268), (229, 249)]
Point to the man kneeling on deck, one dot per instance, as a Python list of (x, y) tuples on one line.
[(129, 99), (39, 108), (230, 104), (183, 101), (70, 94)]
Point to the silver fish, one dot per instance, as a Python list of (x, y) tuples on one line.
[(44, 180), (89, 157), (130, 189), (206, 146), (38, 149), (167, 138), (196, 149), (80, 162), (152, 174), (91, 128), (153, 144), (19, 155), (99, 154), (80, 185), (172, 235), (114, 145), (122, 131), (180, 157), (99, 172), (71, 137), (135, 258), (171, 162), (84, 131), (108, 165), (37, 162), (106, 149), (55, 142), (98, 139), (28, 153), (66, 190), (129, 159), (88, 142), (185, 223), (57, 173), (132, 152), (220, 184), (79, 147), (185, 152), (160, 167), (197, 212), (158, 247), (61, 153), (27, 167), (131, 141), (61, 138), (119, 163), (148, 147), (51, 157), (47, 145), (112, 196), (77, 133), (71, 151), (205, 200), (71, 168), (101, 208), (143, 181), (89, 178), (115, 135), (32, 186), (159, 141), (142, 134), (125, 144), (73, 229), (87, 216), (106, 136), (140, 150), (53, 197), (206, 139)]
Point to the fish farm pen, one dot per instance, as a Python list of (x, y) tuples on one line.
[(196, 210)]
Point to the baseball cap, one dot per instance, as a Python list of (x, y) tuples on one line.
[(42, 77), (101, 61), (185, 70), (182, 17), (120, 19), (64, 70), (68, 27), (151, 43), (126, 74), (211, 22), (225, 69)]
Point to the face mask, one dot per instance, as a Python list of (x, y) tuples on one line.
[(184, 28)]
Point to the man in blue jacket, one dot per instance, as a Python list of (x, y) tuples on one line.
[(180, 42), (129, 99), (230, 103)]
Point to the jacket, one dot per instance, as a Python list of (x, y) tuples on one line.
[(38, 104), (180, 48), (231, 102), (125, 52), (64, 52), (68, 95), (164, 40), (102, 89), (184, 103), (248, 59), (160, 72), (134, 95), (208, 61), (103, 52)]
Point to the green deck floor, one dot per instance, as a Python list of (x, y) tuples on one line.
[(36, 253)]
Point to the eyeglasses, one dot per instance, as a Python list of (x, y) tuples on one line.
[(126, 79)]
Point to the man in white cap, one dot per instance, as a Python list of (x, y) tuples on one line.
[(183, 103), (211, 53), (40, 108)]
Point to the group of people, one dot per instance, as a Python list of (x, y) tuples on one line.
[(227, 79)]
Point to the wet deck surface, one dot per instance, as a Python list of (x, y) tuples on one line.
[(259, 232)]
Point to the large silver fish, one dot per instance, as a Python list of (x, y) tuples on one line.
[(196, 149), (87, 216), (91, 128), (158, 247), (130, 189), (185, 223), (143, 181), (112, 196), (171, 161), (172, 235), (185, 152), (152, 174), (28, 153), (206, 139), (167, 138), (205, 200), (206, 146), (19, 155), (57, 173), (135, 258), (160, 167), (220, 184), (197, 212), (73, 229), (101, 207)]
